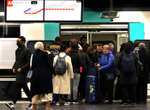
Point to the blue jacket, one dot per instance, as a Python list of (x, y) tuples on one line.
[(107, 63)]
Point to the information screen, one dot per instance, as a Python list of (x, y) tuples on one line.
[(43, 10), (58, 10), (24, 10)]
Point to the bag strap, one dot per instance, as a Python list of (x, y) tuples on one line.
[(31, 58)]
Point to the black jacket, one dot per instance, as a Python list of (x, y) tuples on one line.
[(22, 61), (76, 63), (41, 81)]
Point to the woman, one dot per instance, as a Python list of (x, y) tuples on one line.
[(107, 71), (127, 63), (41, 81), (61, 83)]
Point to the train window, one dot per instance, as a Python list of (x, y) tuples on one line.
[(131, 5), (1, 31), (1, 5), (12, 31)]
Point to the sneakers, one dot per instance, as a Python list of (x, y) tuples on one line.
[(75, 103), (67, 103), (29, 107), (10, 106), (57, 104)]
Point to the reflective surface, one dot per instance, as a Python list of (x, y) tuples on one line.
[(23, 106)]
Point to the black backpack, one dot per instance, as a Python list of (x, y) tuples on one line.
[(128, 63), (60, 67)]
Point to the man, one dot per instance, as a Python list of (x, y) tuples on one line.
[(83, 43), (20, 68)]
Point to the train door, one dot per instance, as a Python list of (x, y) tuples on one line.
[(106, 37)]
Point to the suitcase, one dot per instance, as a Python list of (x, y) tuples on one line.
[(90, 92)]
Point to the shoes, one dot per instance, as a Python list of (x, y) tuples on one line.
[(132, 104), (10, 106), (67, 103), (57, 104), (75, 103), (29, 107), (124, 104), (109, 102)]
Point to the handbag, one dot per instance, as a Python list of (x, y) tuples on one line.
[(29, 75), (30, 72)]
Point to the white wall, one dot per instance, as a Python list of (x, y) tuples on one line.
[(136, 16), (33, 31)]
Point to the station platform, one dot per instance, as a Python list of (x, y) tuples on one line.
[(22, 105)]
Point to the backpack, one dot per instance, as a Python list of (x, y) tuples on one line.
[(128, 63), (60, 67)]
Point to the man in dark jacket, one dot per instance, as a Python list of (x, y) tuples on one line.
[(20, 68)]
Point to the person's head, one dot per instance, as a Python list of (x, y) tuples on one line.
[(99, 48), (122, 48), (111, 47), (142, 45), (83, 40), (62, 48), (94, 46), (128, 47), (47, 47), (39, 45), (105, 49), (135, 44), (58, 39), (21, 41), (74, 46)]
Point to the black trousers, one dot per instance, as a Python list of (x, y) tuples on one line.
[(129, 93), (81, 88), (107, 89), (141, 93), (18, 88)]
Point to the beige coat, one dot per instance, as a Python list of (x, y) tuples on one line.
[(61, 84)]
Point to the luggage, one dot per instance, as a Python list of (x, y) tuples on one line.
[(90, 92)]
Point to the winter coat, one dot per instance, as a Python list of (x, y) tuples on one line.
[(76, 63), (61, 83), (41, 81), (22, 61), (107, 63), (127, 78)]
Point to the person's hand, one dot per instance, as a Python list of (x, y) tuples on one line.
[(98, 67), (13, 70), (19, 70)]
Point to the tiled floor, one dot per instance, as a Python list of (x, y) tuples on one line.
[(23, 106)]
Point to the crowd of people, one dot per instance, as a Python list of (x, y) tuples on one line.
[(81, 73)]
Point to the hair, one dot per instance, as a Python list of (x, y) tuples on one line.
[(62, 48), (122, 48), (99, 44), (135, 44), (142, 45), (111, 45), (94, 46), (74, 46), (58, 39), (106, 46), (39, 45), (128, 47), (83, 37), (22, 38), (46, 47)]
